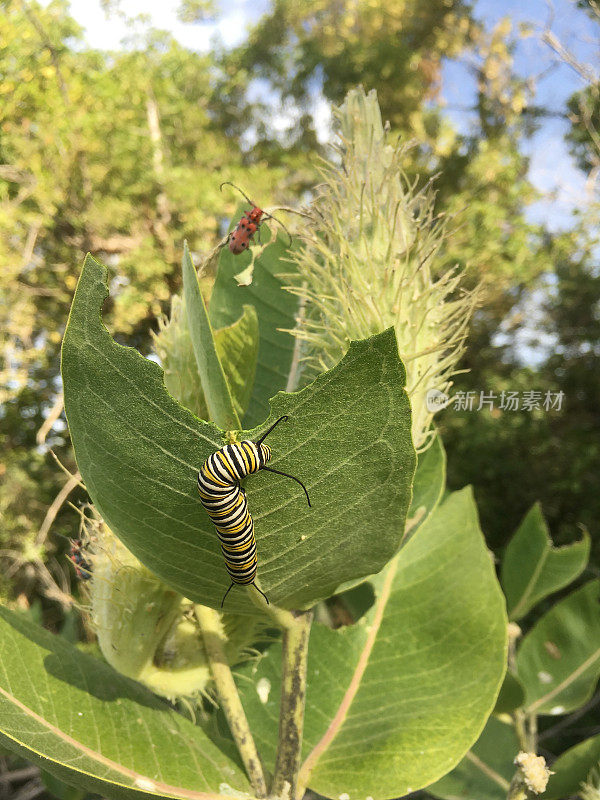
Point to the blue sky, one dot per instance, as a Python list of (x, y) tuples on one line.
[(551, 168)]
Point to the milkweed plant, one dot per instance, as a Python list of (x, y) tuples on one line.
[(374, 656)]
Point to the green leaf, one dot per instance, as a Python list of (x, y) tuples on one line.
[(276, 310), (428, 486), (395, 701), (353, 603), (512, 695), (237, 348), (214, 384), (487, 769), (532, 568), (347, 438), (571, 768), (173, 346), (81, 721), (427, 491), (559, 659), (61, 790)]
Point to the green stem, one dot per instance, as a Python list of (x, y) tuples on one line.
[(521, 730), (524, 724), (517, 790), (291, 710), (532, 728), (282, 618), (229, 699)]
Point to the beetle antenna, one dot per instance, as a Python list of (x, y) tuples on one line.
[(287, 475), (229, 183), (264, 436), (270, 216)]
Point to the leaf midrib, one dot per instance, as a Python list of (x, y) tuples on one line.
[(355, 682), (566, 682), (136, 777), (487, 771), (532, 581)]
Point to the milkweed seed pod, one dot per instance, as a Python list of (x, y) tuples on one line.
[(146, 630), (368, 264)]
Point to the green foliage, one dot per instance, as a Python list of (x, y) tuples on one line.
[(553, 671), (428, 485), (559, 659), (217, 394), (532, 568), (397, 46), (237, 349), (571, 768), (61, 790), (495, 749), (438, 612), (195, 10), (512, 694), (86, 724), (584, 110), (512, 457), (138, 450), (276, 311)]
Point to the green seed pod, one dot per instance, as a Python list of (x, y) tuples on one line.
[(135, 616), (369, 263), (146, 630)]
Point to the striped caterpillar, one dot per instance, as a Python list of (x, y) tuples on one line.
[(226, 504)]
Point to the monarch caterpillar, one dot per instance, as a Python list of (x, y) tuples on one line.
[(226, 504)]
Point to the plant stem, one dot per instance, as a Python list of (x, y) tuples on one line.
[(521, 729), (525, 722), (282, 618), (291, 711), (212, 633)]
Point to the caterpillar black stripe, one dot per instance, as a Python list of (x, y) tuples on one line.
[(226, 504)]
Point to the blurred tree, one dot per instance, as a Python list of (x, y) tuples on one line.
[(553, 454), (484, 182), (296, 51), (515, 457), (395, 46), (118, 154), (584, 135)]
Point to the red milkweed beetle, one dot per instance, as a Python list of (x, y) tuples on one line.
[(83, 567), (240, 238)]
